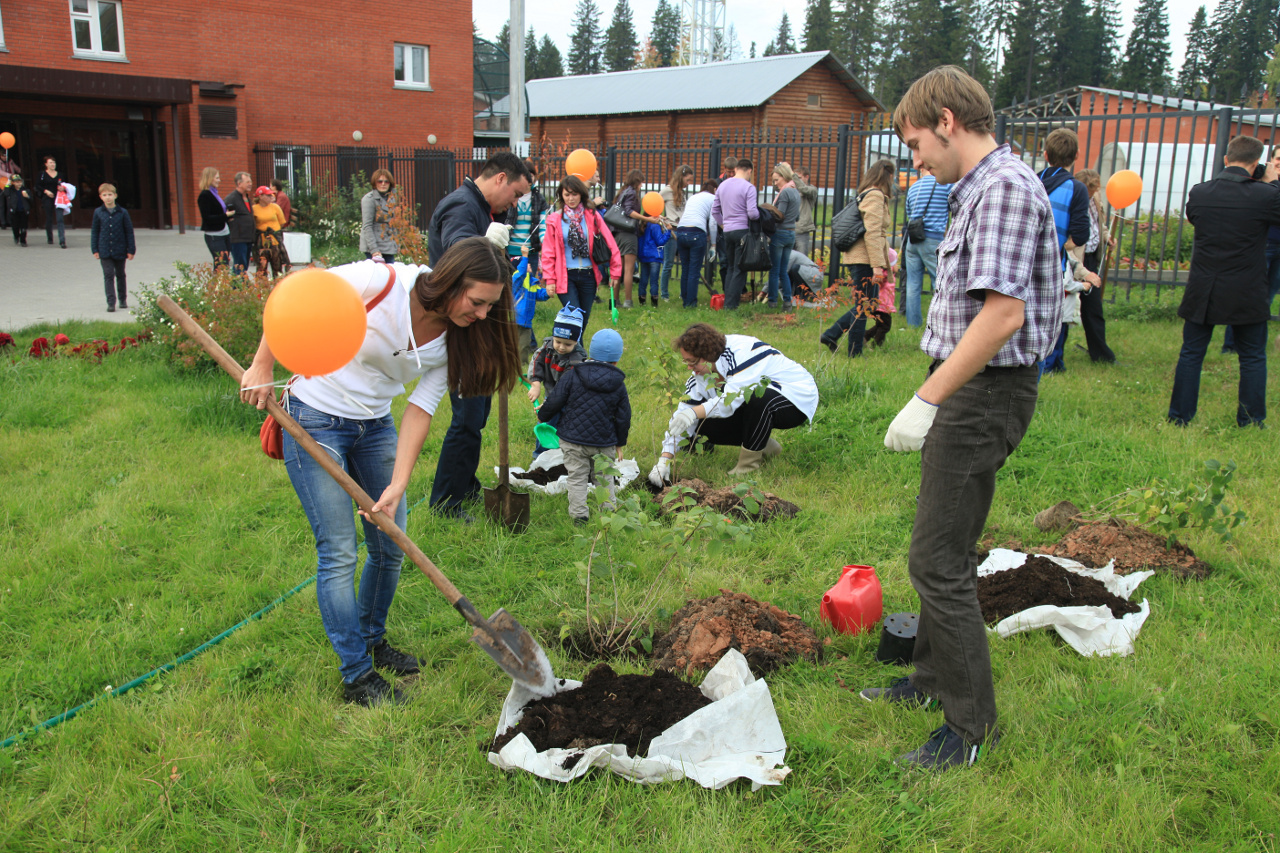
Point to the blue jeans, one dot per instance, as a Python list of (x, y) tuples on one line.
[(921, 257), (366, 449), (779, 257), (581, 294), (1251, 343), (691, 245), (456, 479), (650, 272), (1055, 362), (668, 261), (240, 256)]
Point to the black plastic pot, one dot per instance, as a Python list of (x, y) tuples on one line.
[(897, 639)]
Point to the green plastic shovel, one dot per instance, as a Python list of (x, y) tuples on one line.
[(545, 433)]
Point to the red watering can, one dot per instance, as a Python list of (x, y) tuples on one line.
[(717, 302), (855, 603)]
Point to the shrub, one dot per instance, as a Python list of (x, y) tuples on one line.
[(226, 305)]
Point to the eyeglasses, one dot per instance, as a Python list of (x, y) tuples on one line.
[(382, 181), (691, 362)]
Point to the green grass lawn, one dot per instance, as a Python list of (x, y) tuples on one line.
[(139, 518)]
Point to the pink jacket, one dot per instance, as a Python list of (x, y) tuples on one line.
[(553, 266)]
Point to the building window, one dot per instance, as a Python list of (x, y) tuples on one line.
[(2, 47), (292, 164), (411, 67), (97, 29), (814, 101)]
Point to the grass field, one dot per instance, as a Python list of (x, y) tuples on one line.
[(138, 518)]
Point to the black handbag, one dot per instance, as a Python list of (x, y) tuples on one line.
[(847, 226), (915, 225), (619, 221), (601, 254), (753, 251)]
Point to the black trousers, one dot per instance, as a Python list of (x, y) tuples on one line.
[(1095, 326), (854, 320), (18, 224), (749, 427), (113, 280)]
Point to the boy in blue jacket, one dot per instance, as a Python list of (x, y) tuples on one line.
[(595, 417), (111, 242), (652, 239), (527, 292)]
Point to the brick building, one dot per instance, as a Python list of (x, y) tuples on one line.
[(145, 94)]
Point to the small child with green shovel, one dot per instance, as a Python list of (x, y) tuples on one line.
[(558, 353)]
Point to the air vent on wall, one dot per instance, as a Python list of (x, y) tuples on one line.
[(217, 90), (218, 122)]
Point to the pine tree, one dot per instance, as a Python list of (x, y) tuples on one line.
[(530, 54), (1104, 34), (783, 42), (1193, 79), (550, 63), (503, 38), (752, 54), (860, 32), (584, 44), (1244, 32), (665, 32), (1146, 56), (1071, 50), (819, 21), (936, 32), (620, 42)]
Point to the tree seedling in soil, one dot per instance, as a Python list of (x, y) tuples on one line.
[(1169, 505)]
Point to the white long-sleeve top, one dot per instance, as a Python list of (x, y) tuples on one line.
[(388, 360), (745, 362), (697, 214)]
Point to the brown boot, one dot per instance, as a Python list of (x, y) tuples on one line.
[(748, 461)]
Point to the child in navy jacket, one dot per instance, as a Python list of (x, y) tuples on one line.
[(112, 244), (595, 417), (652, 239)]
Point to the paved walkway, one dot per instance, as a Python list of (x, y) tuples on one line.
[(46, 284)]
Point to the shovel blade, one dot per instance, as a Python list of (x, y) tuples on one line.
[(508, 508), (514, 649)]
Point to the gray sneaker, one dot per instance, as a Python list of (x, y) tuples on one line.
[(626, 303), (900, 690), (945, 749)]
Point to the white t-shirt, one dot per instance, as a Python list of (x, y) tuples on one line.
[(388, 360)]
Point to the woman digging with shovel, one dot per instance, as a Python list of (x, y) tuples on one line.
[(428, 325)]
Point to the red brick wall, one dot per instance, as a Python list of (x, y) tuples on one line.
[(313, 88)]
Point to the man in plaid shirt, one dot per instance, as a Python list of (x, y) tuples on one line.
[(996, 313)]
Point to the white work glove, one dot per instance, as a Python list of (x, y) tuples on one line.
[(660, 474), (909, 428), (682, 422), (499, 235)]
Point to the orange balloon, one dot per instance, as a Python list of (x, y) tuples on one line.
[(1124, 188), (582, 163), (314, 322), (6, 140), (653, 204)]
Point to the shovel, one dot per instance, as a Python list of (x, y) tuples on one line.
[(509, 508), (545, 433), (501, 637)]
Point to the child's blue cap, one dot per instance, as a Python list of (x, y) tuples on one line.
[(606, 345), (568, 324)]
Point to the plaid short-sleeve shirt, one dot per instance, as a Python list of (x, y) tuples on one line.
[(1001, 238)]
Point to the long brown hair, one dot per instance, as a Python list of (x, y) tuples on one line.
[(677, 185), (484, 357), (634, 179), (879, 176), (574, 184)]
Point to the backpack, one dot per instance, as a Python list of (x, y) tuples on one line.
[(847, 227)]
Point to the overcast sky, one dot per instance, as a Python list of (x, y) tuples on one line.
[(757, 20)]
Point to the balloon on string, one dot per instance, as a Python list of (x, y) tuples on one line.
[(582, 163), (653, 204), (1124, 188), (314, 322), (6, 140)]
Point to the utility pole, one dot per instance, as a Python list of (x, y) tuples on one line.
[(515, 100)]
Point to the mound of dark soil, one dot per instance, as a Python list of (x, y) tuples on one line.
[(607, 708), (1132, 547), (1042, 581), (703, 630), (541, 477), (725, 501)]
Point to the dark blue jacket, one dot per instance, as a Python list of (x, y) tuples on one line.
[(461, 214), (1070, 206), (593, 405), (112, 234), (651, 243)]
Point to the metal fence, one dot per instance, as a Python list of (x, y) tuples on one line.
[(1171, 148)]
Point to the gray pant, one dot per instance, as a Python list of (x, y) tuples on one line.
[(971, 437), (804, 243), (577, 462)]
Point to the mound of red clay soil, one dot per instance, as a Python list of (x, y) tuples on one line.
[(727, 502), (1042, 581), (542, 477), (607, 708), (703, 630), (1132, 547)]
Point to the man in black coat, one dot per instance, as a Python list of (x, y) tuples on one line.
[(240, 221), (1227, 284), (468, 212)]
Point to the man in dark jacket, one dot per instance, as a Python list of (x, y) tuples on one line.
[(1227, 284), (468, 212), (240, 221), (595, 417)]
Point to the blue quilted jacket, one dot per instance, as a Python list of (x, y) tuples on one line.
[(593, 405)]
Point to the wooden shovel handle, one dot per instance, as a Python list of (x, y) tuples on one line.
[(385, 522)]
